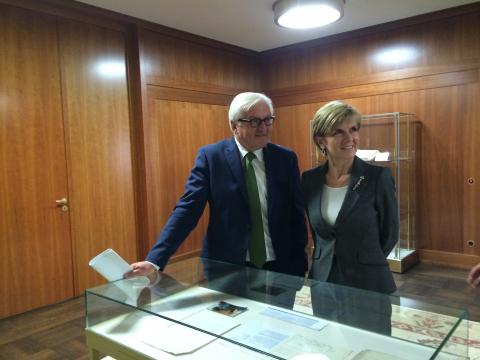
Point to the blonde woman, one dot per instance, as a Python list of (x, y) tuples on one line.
[(351, 206)]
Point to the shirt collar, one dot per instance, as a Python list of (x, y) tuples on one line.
[(258, 153)]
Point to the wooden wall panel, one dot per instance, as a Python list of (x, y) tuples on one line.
[(174, 62), (424, 46), (292, 129), (96, 112), (35, 248), (176, 130), (471, 169), (378, 88)]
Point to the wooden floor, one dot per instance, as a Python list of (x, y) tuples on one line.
[(56, 332), (440, 285), (53, 332)]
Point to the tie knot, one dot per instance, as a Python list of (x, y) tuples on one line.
[(250, 156)]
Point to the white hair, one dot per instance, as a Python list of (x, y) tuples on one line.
[(243, 102)]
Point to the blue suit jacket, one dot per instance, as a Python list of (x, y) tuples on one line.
[(217, 178)]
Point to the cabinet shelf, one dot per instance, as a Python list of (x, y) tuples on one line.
[(391, 160), (397, 134)]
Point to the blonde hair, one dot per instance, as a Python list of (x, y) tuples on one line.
[(330, 116)]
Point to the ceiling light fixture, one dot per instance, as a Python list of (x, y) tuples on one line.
[(305, 14)]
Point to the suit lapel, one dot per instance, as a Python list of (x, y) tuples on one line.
[(270, 176), (315, 211), (356, 186), (232, 154)]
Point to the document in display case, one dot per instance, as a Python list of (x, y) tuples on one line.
[(237, 312), (391, 140)]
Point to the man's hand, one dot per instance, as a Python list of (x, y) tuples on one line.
[(142, 268), (474, 276)]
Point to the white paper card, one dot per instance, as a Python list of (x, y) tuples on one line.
[(212, 322), (178, 339), (312, 323), (110, 265), (314, 346)]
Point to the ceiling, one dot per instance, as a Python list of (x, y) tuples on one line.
[(249, 23)]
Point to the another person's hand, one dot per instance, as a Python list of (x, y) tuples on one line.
[(142, 268), (474, 276)]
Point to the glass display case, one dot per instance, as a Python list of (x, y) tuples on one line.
[(391, 140), (217, 310)]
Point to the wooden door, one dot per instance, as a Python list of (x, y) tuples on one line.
[(96, 115), (35, 245)]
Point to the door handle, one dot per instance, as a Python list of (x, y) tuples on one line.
[(62, 203)]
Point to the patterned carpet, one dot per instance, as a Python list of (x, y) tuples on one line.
[(422, 327)]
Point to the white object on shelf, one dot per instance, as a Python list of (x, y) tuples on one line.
[(382, 156), (367, 155), (373, 155)]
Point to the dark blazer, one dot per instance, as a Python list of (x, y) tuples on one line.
[(353, 251), (217, 178)]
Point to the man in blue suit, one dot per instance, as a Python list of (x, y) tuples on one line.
[(219, 178)]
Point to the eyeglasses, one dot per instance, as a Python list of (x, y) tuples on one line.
[(256, 122)]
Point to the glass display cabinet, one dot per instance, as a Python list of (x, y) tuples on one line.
[(391, 140), (217, 310)]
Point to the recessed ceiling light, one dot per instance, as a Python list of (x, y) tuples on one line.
[(306, 14)]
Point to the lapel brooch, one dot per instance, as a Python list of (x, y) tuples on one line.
[(358, 183)]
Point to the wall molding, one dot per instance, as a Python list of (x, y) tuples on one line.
[(399, 74), (299, 95), (208, 95), (158, 81)]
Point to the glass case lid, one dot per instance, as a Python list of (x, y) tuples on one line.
[(273, 314)]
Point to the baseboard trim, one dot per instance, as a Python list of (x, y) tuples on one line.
[(448, 258)]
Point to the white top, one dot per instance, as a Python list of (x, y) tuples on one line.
[(332, 200), (259, 167)]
